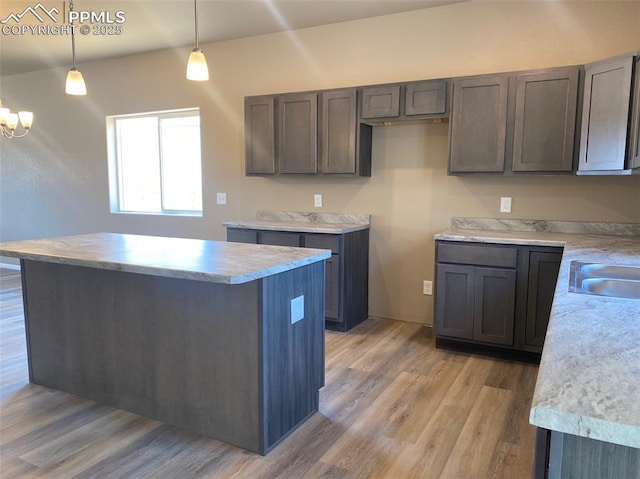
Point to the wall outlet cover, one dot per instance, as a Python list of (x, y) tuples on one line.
[(427, 287), (505, 204), (221, 198), (317, 200)]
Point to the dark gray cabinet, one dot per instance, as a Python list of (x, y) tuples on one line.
[(605, 114), (478, 125), (338, 132), (475, 292), (496, 297), (634, 132), (541, 272), (298, 133), (518, 122), (381, 101), (346, 272), (425, 98), (259, 121), (545, 118)]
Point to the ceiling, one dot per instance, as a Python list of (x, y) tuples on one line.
[(159, 24)]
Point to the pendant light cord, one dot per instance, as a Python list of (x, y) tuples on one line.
[(195, 21), (73, 38)]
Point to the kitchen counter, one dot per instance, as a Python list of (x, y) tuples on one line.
[(329, 223), (221, 339), (213, 261), (589, 378)]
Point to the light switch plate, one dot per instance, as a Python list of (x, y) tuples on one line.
[(505, 204), (221, 198), (427, 287), (297, 309), (317, 200)]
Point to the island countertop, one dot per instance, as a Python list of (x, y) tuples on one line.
[(202, 260), (589, 378)]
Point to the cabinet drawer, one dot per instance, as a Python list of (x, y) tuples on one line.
[(279, 239), (476, 254), (238, 235), (323, 241)]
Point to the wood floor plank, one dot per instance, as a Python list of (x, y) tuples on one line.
[(393, 407)]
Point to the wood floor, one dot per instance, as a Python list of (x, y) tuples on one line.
[(393, 407)]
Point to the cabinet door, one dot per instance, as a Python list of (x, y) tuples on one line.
[(454, 301), (259, 121), (338, 132), (605, 114), (478, 124), (298, 133), (494, 309), (545, 120), (634, 132), (381, 102), (332, 288), (543, 275), (278, 238), (426, 98), (239, 235)]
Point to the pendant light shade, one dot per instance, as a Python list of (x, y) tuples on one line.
[(197, 69), (75, 82)]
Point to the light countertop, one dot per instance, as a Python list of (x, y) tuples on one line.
[(213, 261), (297, 222), (589, 377)]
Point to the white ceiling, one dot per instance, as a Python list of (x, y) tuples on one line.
[(159, 24)]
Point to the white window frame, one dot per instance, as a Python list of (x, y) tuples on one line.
[(115, 174)]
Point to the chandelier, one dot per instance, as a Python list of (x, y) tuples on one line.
[(9, 122)]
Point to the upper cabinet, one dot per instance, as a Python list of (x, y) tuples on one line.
[(298, 133), (404, 101), (545, 120), (605, 115), (520, 122), (259, 122), (478, 124), (306, 133)]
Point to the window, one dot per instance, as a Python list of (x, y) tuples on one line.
[(154, 163)]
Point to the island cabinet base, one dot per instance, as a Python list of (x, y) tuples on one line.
[(221, 360), (565, 456)]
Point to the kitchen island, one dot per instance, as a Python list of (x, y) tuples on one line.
[(222, 339)]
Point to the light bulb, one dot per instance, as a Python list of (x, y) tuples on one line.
[(197, 69), (26, 118), (75, 83), (12, 121)]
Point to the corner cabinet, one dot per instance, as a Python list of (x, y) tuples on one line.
[(306, 133), (514, 122), (494, 298), (346, 273)]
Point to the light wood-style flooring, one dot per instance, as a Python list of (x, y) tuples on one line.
[(393, 407)]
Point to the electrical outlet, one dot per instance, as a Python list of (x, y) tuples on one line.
[(427, 287), (317, 200), (505, 204), (221, 198)]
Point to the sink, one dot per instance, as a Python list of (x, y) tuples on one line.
[(617, 281)]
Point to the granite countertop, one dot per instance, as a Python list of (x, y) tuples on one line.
[(213, 261), (329, 223), (589, 377)]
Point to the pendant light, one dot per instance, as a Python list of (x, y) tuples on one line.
[(197, 69), (75, 83)]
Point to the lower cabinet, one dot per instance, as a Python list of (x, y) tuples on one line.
[(346, 272), (494, 297)]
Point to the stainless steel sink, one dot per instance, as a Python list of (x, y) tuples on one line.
[(616, 281)]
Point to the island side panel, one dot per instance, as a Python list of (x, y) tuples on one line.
[(181, 351), (294, 353)]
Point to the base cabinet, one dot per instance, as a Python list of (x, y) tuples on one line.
[(497, 297), (565, 456), (346, 274)]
